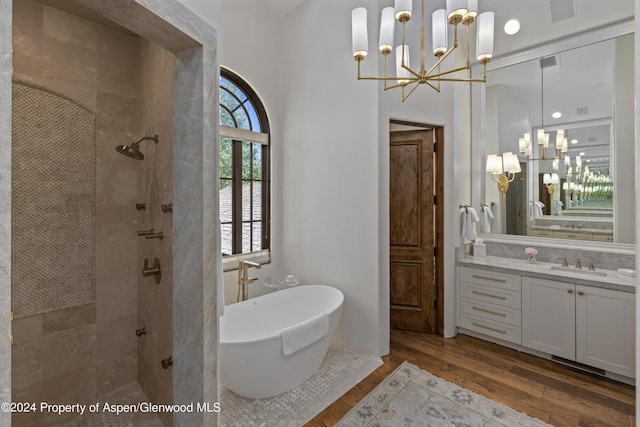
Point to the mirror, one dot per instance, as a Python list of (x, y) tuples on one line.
[(569, 118)]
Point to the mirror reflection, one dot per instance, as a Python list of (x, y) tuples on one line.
[(564, 117)]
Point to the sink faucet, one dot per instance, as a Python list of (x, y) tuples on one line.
[(244, 280), (565, 263), (578, 264)]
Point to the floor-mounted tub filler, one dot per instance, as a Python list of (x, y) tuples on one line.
[(273, 343)]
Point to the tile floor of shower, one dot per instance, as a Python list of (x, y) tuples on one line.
[(130, 394)]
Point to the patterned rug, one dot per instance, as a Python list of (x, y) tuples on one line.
[(340, 371), (413, 397)]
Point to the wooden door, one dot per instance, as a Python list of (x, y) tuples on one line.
[(516, 200), (412, 232)]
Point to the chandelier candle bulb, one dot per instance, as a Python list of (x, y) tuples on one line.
[(456, 9), (359, 33), (387, 28), (403, 10), (541, 137), (484, 42), (472, 10), (439, 30), (522, 145)]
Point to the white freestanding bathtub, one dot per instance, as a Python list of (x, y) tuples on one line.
[(256, 334)]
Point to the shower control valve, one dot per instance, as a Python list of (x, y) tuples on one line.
[(145, 232), (153, 271)]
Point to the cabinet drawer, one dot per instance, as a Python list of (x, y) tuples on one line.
[(490, 278), (489, 327), (486, 294), (495, 312), (542, 233), (603, 237)]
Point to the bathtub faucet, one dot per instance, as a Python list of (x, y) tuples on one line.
[(244, 280)]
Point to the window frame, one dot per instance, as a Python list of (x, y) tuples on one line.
[(238, 136)]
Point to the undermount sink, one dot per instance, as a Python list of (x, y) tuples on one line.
[(571, 270)]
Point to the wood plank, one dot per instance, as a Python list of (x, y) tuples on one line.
[(543, 389)]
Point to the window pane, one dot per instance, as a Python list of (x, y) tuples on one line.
[(253, 116), (228, 99), (232, 88), (226, 158), (257, 236), (257, 201), (247, 200), (226, 199), (226, 119), (226, 239), (251, 161), (242, 119), (246, 237)]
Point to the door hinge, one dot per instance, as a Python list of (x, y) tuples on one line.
[(435, 147), (435, 199), (435, 304), (435, 251)]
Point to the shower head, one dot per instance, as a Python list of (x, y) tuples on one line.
[(132, 149)]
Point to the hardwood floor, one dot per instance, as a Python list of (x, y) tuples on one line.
[(543, 389)]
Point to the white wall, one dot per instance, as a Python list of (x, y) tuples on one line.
[(330, 158), (208, 10), (624, 142)]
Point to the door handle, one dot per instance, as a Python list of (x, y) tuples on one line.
[(521, 214)]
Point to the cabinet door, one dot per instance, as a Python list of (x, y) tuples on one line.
[(605, 332), (548, 316)]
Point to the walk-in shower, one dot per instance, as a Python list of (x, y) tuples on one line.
[(133, 148)]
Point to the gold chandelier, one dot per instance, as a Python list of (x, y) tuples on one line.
[(463, 12)]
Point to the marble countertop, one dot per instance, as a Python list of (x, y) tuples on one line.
[(607, 279), (576, 229)]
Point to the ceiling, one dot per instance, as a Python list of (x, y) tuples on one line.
[(541, 20)]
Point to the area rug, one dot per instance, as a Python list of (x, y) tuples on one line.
[(413, 397), (343, 367)]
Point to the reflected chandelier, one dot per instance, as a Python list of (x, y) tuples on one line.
[(457, 12)]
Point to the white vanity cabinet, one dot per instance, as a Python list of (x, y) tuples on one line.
[(605, 329), (549, 317), (490, 303), (589, 325)]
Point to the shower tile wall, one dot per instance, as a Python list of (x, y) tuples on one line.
[(76, 354), (155, 301)]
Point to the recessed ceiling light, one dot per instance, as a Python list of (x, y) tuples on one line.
[(556, 115), (512, 27), (582, 153), (574, 141), (588, 160)]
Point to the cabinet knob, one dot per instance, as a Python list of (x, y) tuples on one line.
[(569, 291), (580, 292)]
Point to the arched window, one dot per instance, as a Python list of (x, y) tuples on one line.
[(244, 168)]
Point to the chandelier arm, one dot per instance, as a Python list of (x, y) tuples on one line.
[(389, 79), (444, 73), (442, 58), (386, 62), (402, 85), (468, 45), (418, 76), (404, 98), (440, 79), (423, 38), (436, 88)]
